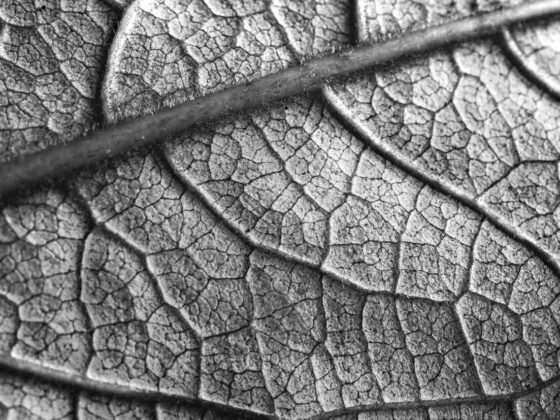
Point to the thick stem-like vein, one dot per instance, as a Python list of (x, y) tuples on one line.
[(112, 141), (76, 382)]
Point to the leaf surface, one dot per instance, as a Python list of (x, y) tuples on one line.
[(535, 50), (51, 62), (466, 118), (281, 262)]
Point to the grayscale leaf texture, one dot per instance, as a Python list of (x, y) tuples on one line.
[(387, 248)]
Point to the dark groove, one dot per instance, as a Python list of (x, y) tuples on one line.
[(354, 23), (58, 160), (511, 49), (80, 277), (97, 102), (472, 357), (114, 5)]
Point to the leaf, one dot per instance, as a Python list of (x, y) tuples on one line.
[(276, 263), (534, 49), (51, 63), (23, 398), (467, 119)]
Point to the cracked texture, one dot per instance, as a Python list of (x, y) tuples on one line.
[(30, 399), (536, 47), (41, 246), (466, 116), (276, 264), (286, 337), (52, 56), (51, 62)]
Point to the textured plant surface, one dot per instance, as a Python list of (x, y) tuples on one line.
[(388, 248)]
